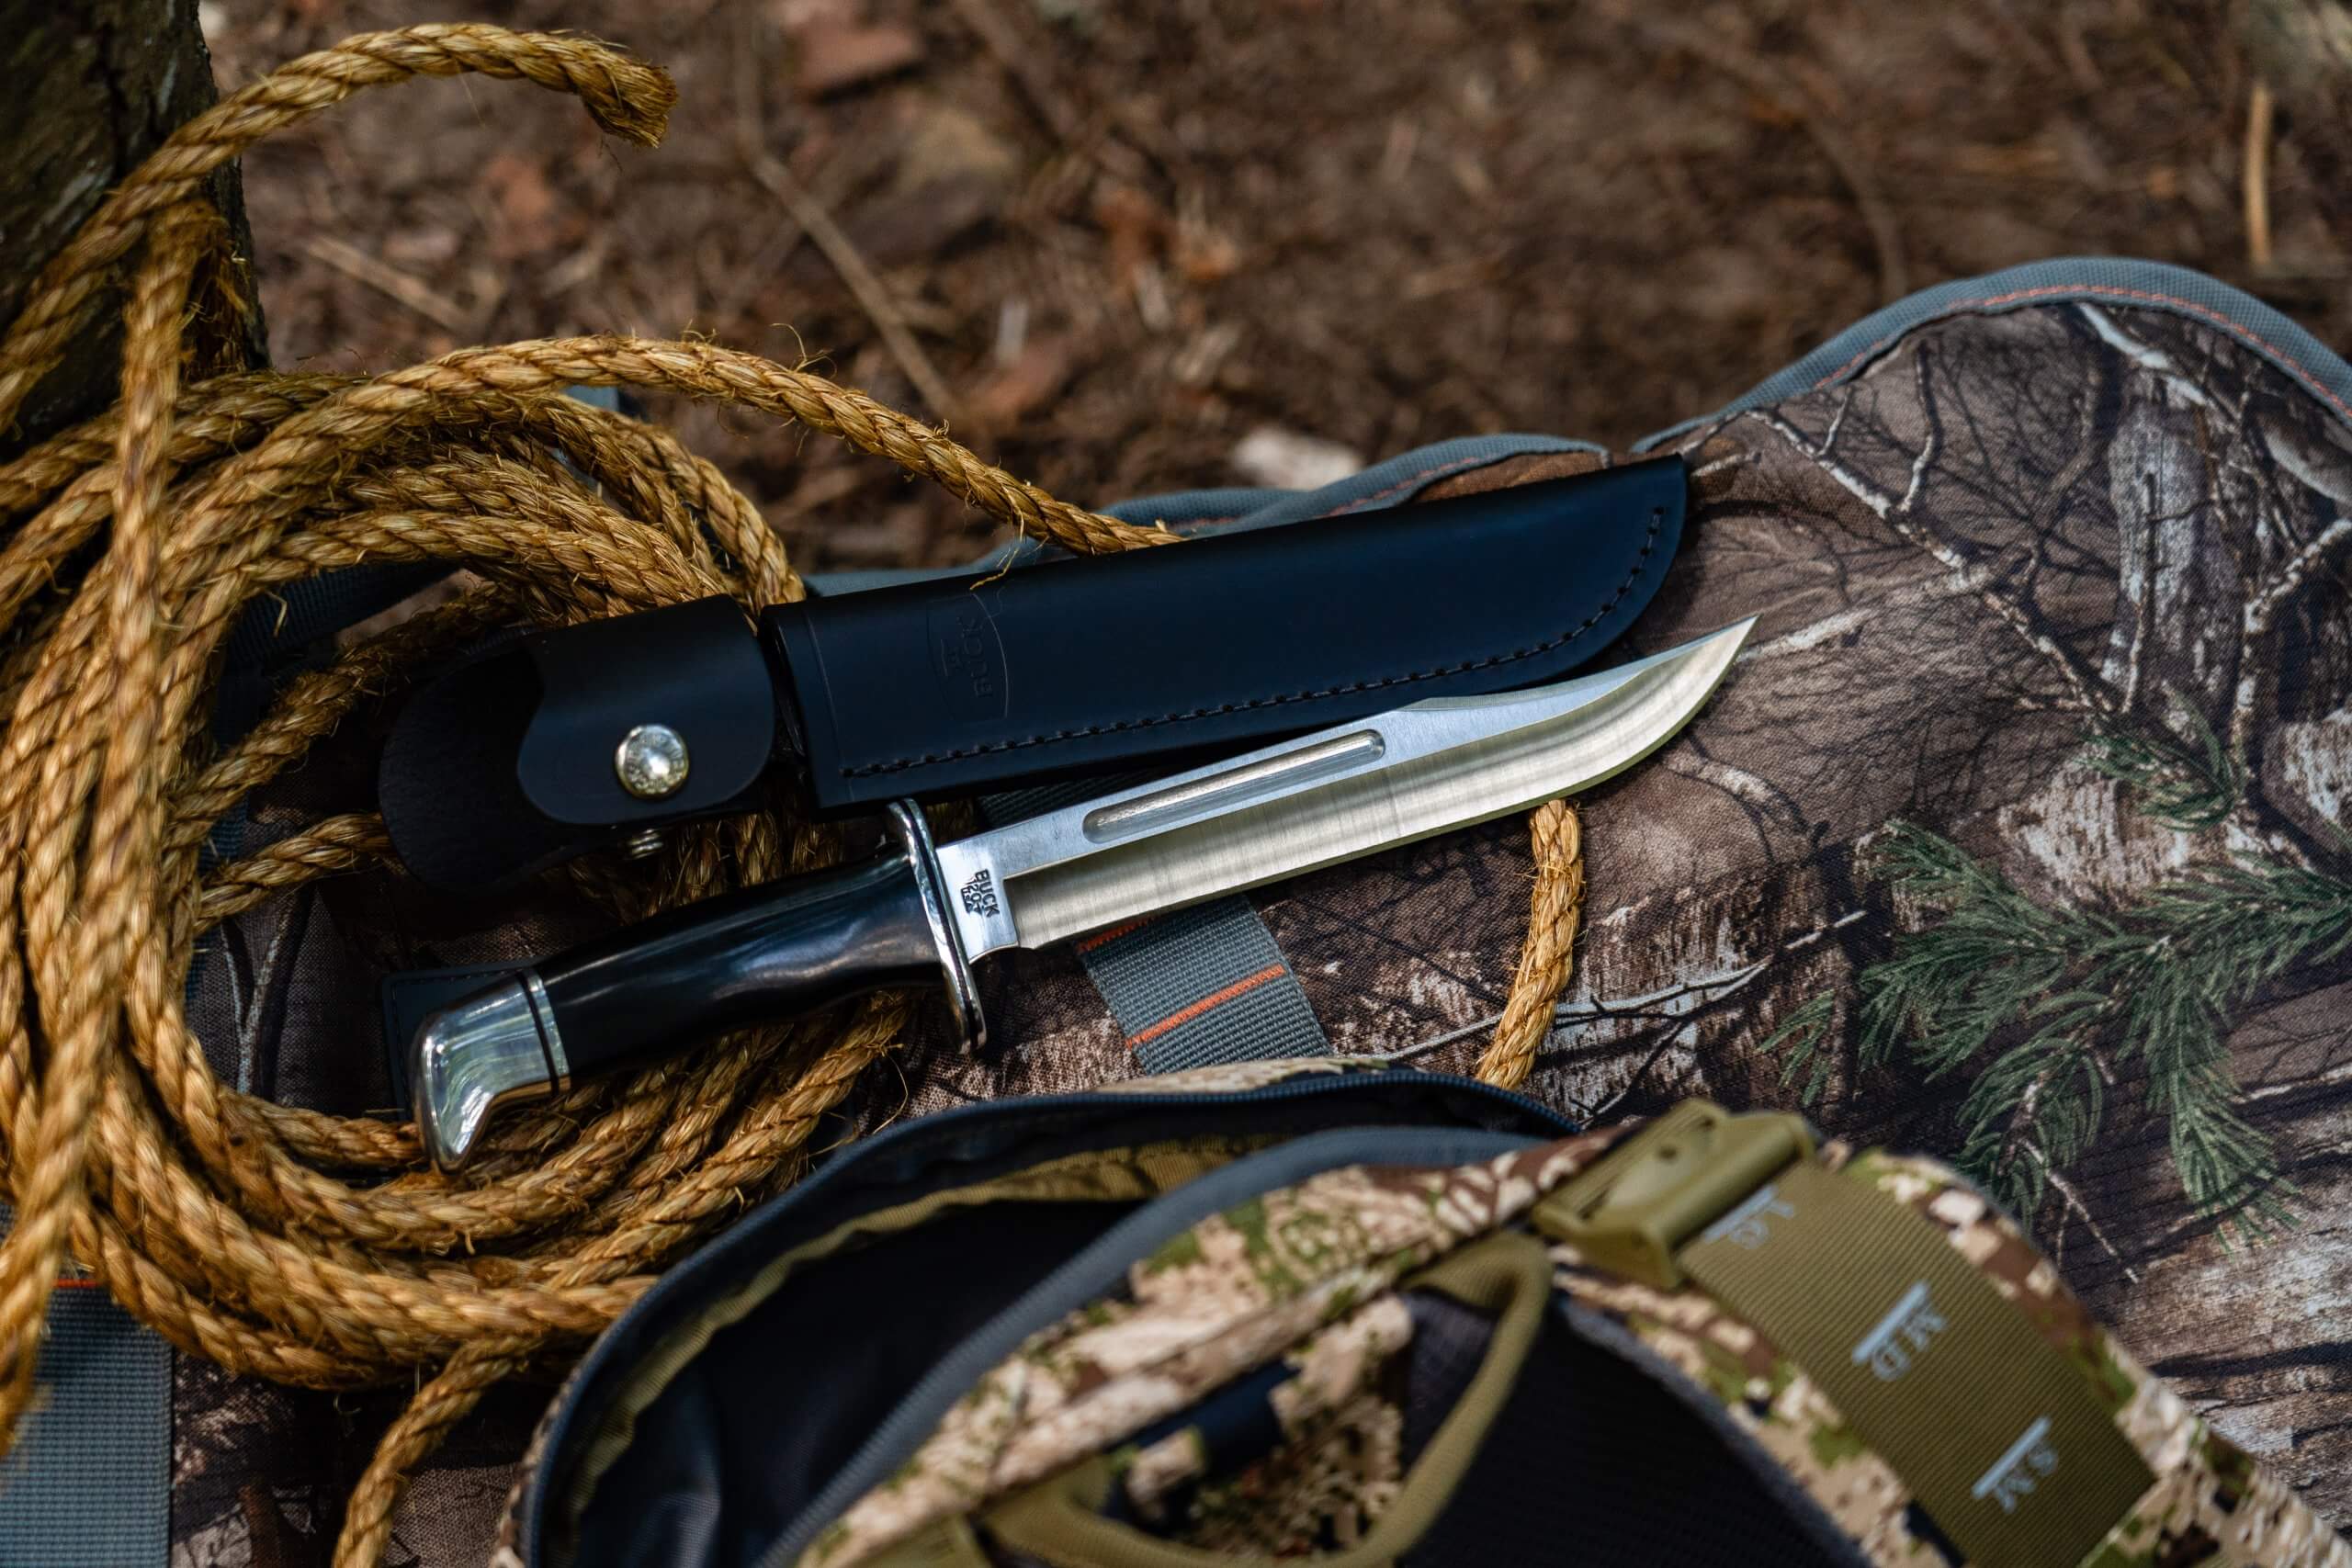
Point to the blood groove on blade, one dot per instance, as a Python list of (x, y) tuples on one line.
[(1329, 798), (1235, 788)]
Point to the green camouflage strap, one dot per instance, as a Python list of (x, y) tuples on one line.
[(2003, 1441)]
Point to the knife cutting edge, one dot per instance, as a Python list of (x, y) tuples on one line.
[(919, 911)]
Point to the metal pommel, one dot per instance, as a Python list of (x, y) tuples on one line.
[(493, 1049)]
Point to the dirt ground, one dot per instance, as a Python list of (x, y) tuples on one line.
[(1121, 238)]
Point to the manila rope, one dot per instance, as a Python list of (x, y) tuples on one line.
[(278, 1241)]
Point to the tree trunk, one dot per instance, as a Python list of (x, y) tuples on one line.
[(99, 84)]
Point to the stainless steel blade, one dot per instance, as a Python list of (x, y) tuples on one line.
[(1320, 799)]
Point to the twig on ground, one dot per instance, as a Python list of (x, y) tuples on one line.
[(389, 280), (1799, 103), (873, 298), (2259, 114), (1036, 85), (817, 221)]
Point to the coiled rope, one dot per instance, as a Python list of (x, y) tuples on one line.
[(277, 1241)]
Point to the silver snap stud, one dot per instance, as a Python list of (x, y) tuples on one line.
[(652, 761)]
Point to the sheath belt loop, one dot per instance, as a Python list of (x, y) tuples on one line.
[(2001, 1437)]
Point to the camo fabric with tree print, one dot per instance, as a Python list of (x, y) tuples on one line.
[(1321, 1491), (1240, 1077)]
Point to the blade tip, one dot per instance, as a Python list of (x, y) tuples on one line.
[(1720, 648)]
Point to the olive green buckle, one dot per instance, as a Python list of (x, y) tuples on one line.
[(1684, 1172)]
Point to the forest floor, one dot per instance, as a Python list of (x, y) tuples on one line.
[(1122, 238)]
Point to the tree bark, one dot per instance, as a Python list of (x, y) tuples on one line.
[(97, 85)]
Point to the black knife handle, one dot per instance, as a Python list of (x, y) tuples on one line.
[(765, 953), (750, 957)]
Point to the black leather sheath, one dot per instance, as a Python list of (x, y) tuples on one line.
[(946, 687), (970, 682)]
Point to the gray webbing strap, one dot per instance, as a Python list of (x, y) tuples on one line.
[(88, 1484), (1192, 988)]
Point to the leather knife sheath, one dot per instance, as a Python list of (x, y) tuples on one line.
[(959, 685)]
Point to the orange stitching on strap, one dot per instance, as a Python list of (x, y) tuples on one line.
[(1087, 945), (1219, 998)]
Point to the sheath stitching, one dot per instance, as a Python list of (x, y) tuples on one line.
[(1641, 564)]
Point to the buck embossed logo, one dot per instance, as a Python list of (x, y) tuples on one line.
[(980, 896), (967, 657)]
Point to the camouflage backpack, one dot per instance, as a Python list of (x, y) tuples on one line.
[(1324, 1312)]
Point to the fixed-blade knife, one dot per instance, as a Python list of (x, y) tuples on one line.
[(923, 910)]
